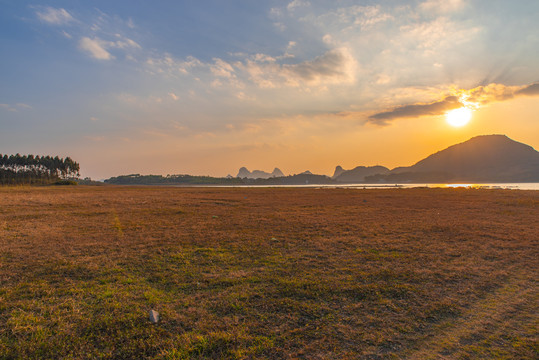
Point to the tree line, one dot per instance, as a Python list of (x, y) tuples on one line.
[(29, 169), (137, 179)]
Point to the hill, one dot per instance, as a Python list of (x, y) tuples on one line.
[(258, 174), (357, 174), (486, 158)]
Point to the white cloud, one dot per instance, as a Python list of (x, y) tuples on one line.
[(16, 107), (124, 43), (263, 58), (7, 107), (54, 16), (334, 66), (173, 96), (190, 63), (243, 97), (98, 48), (222, 69), (280, 26), (441, 6), (369, 15), (95, 47), (172, 67), (437, 36), (354, 16), (297, 3), (383, 79), (327, 39)]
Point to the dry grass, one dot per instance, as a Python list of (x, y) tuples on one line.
[(268, 273)]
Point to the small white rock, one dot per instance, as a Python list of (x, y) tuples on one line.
[(154, 316)]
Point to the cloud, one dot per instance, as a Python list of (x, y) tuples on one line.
[(16, 107), (170, 66), (334, 66), (437, 35), (417, 110), (96, 37), (441, 6), (530, 90), (54, 16), (297, 3), (98, 48), (222, 69), (7, 107), (124, 43), (95, 47), (243, 97), (347, 18), (489, 93), (263, 58), (475, 97)]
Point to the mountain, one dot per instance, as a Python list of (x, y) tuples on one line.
[(243, 173), (258, 174), (486, 158), (357, 174), (338, 171), (277, 173)]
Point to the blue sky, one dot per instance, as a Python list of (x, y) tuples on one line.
[(204, 87)]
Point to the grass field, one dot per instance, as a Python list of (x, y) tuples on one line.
[(268, 273)]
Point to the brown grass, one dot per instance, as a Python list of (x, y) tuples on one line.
[(268, 273)]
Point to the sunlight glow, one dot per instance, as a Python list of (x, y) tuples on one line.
[(458, 117)]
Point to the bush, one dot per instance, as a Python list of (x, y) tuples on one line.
[(65, 182)]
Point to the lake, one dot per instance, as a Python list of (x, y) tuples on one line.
[(506, 186)]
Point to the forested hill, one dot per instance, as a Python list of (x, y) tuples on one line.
[(137, 179), (29, 169)]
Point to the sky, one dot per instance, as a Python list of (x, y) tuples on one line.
[(206, 87)]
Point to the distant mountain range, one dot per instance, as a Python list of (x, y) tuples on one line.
[(486, 158), (258, 174), (482, 159)]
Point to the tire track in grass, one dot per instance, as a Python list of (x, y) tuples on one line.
[(482, 330)]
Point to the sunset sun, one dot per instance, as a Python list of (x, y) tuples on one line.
[(458, 117)]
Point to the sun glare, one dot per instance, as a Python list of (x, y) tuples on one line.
[(458, 117)]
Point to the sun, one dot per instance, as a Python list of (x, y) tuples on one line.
[(458, 117)]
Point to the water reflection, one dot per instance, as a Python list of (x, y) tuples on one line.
[(512, 186)]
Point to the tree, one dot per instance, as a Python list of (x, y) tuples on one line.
[(30, 169)]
